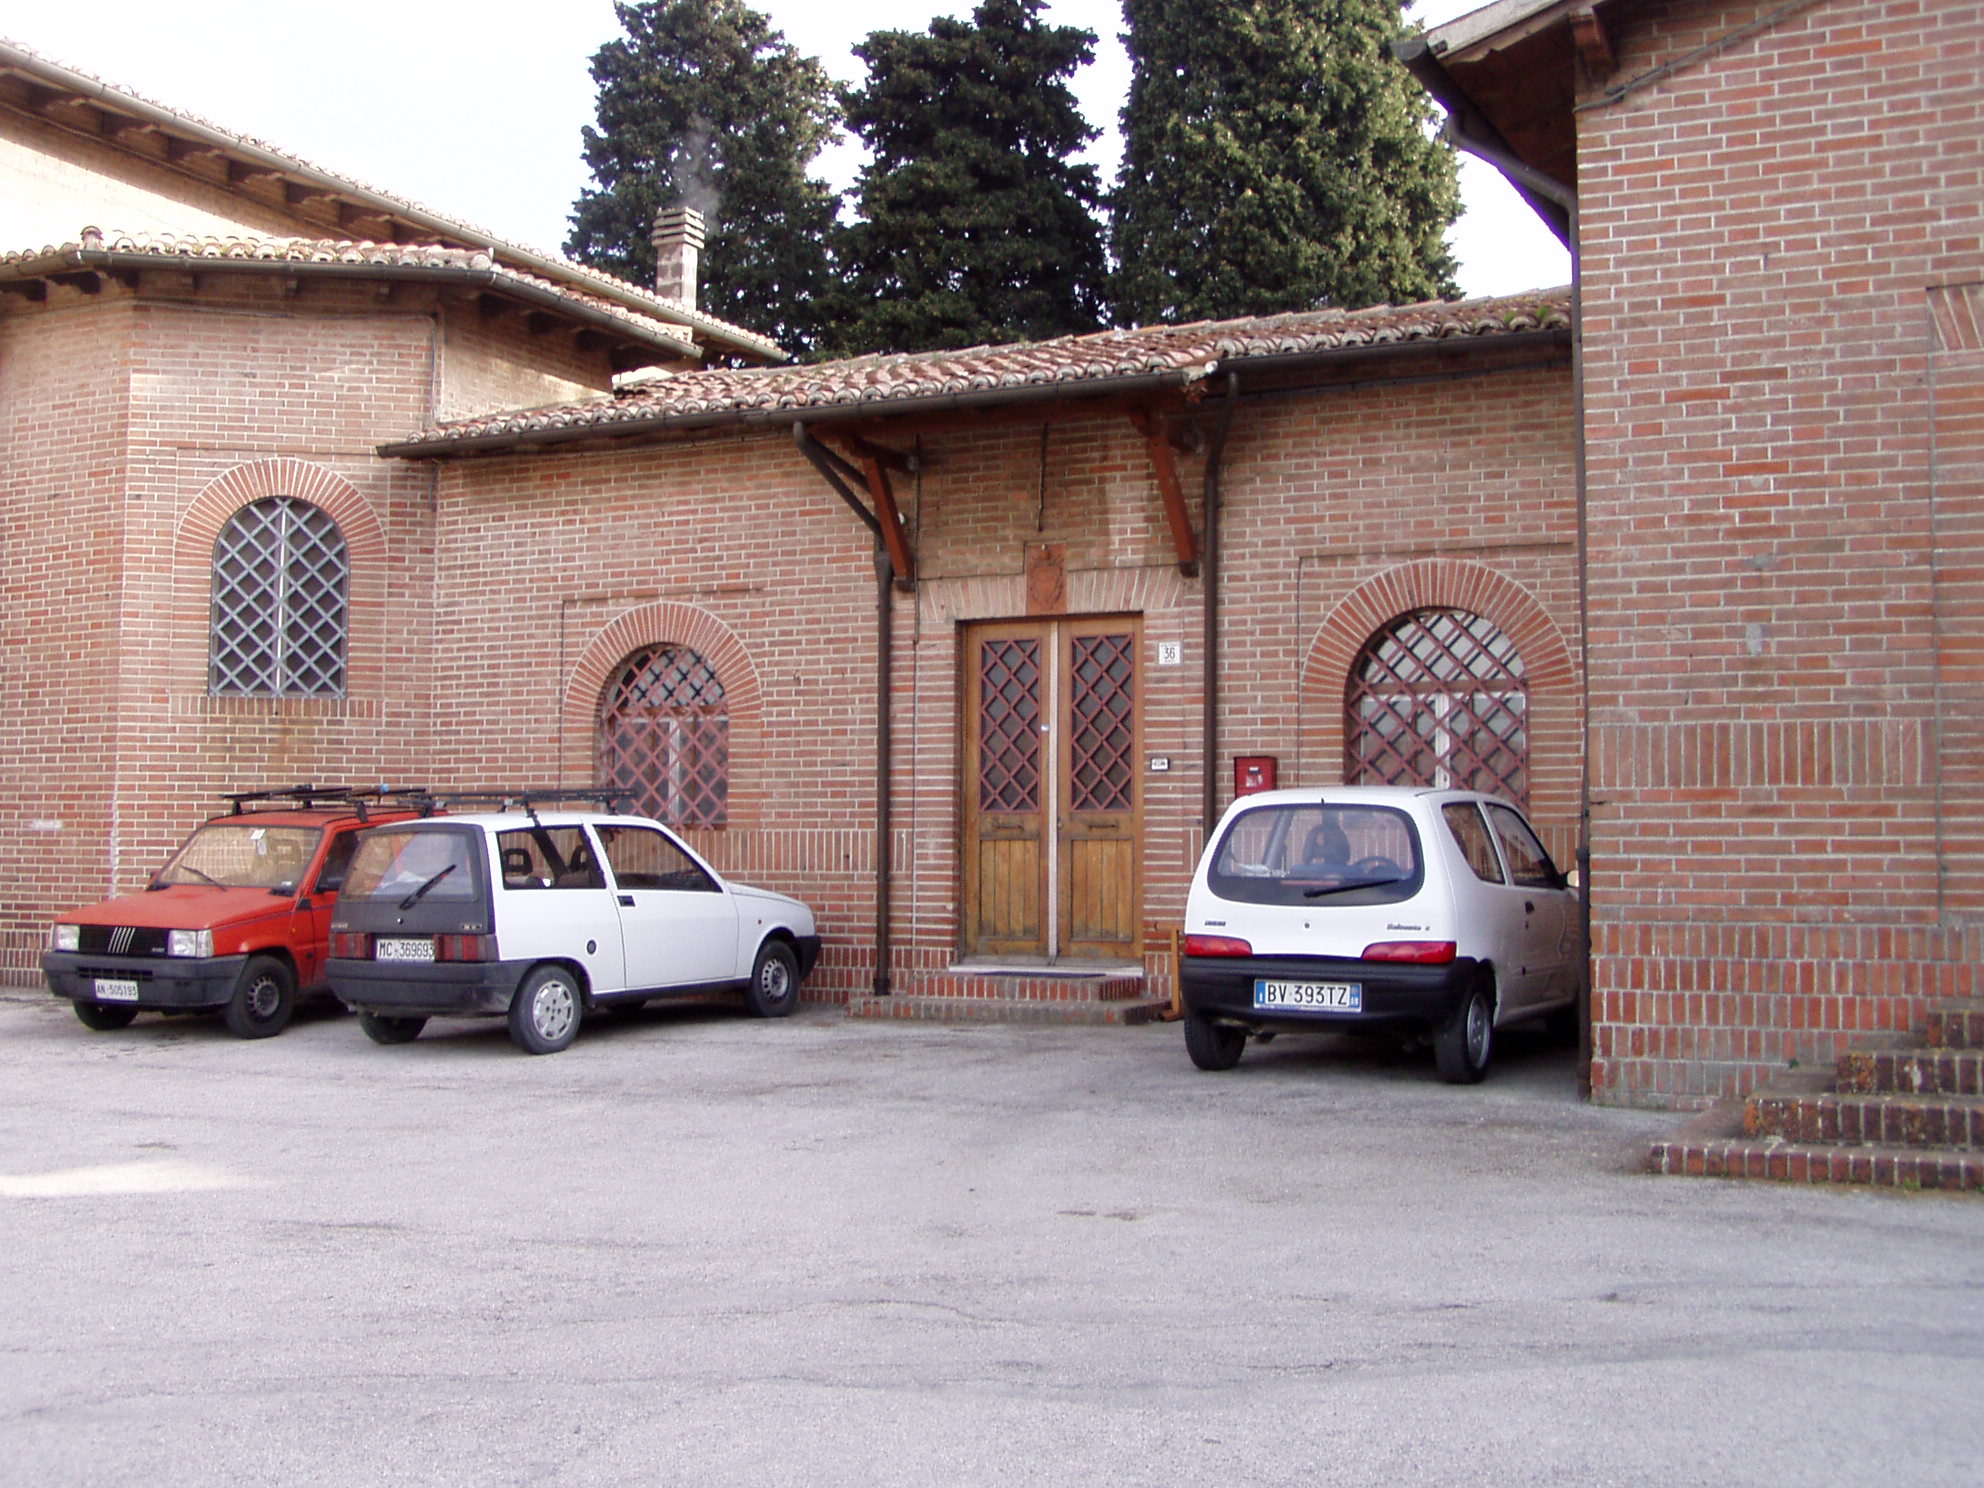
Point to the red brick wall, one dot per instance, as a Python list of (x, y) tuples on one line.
[(1762, 231)]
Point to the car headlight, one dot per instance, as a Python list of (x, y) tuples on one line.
[(66, 938), (189, 943)]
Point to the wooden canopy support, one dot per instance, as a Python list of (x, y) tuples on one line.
[(874, 462), (1594, 43), (1164, 465)]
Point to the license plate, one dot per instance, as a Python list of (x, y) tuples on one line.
[(390, 948), (116, 989), (1322, 997)]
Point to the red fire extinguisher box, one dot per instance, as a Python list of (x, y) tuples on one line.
[(1252, 772)]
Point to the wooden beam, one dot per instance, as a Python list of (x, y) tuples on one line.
[(542, 323), (1165, 466), (862, 448), (178, 150), (296, 194), (240, 172), (1594, 43), (875, 472), (35, 290)]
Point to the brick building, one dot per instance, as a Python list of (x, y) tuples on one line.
[(823, 615)]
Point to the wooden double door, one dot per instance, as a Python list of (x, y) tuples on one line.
[(1053, 819)]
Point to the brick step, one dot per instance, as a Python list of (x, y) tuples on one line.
[(1957, 1024), (1062, 1010), (1714, 1145), (1847, 1118), (1028, 986), (1912, 1071)]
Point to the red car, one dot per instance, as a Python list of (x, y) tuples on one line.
[(238, 921)]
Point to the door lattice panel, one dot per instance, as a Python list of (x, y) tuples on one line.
[(280, 579), (1103, 723), (665, 736), (1009, 725), (1438, 698)]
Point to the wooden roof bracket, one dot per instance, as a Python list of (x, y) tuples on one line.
[(1164, 465), (885, 520)]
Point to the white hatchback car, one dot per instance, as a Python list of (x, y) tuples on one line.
[(1426, 913), (541, 915)]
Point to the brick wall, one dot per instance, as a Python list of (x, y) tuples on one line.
[(1776, 557)]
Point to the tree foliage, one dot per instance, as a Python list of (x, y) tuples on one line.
[(1275, 158), (976, 225), (702, 102)]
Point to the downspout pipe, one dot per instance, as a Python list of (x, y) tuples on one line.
[(1560, 195), (831, 468), (1209, 570)]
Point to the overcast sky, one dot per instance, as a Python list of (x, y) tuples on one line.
[(474, 110)]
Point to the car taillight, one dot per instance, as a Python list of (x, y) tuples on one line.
[(351, 945), (1217, 945), (1425, 952), (464, 948)]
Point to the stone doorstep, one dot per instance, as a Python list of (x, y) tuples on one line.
[(1957, 1024), (1848, 1118), (1713, 1145), (1917, 1070), (939, 1008)]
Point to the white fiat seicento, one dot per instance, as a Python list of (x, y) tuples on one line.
[(1431, 914)]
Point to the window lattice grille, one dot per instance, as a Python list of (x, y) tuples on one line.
[(1438, 698), (665, 736), (279, 603), (1103, 723), (1009, 726)]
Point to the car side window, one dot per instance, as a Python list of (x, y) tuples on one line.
[(337, 863), (547, 858), (1529, 865), (642, 858), (1463, 819)]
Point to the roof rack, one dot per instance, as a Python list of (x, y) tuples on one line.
[(307, 797), (607, 798)]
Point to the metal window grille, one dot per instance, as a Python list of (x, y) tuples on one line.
[(1009, 725), (664, 736), (279, 603), (1438, 698)]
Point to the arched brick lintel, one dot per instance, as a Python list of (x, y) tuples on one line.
[(365, 555), (667, 623)]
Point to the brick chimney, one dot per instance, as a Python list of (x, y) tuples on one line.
[(678, 252)]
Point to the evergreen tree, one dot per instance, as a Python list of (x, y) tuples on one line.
[(1275, 157), (701, 102), (977, 226)]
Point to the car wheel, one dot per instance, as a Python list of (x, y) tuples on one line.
[(264, 997), (544, 1015), (774, 989), (1465, 1042), (383, 1029), (104, 1017), (1213, 1046)]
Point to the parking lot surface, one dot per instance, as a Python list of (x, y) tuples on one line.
[(701, 1249)]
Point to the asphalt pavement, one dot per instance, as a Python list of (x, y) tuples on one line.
[(701, 1249)]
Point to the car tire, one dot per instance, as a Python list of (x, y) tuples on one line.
[(104, 1017), (545, 1013), (264, 997), (383, 1028), (774, 989), (1213, 1046), (1466, 1041)]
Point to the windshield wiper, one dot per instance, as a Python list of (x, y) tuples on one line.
[(415, 897), (1368, 883), (188, 867)]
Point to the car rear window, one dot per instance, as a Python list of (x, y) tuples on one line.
[(548, 858), (433, 862), (1318, 854)]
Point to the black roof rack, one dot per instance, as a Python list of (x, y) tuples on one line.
[(608, 798), (353, 798)]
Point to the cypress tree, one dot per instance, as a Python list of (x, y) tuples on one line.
[(976, 224), (703, 102), (1275, 157)]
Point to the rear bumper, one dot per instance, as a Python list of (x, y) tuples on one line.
[(1397, 997), (163, 981), (439, 989), (809, 952)]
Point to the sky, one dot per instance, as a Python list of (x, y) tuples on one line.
[(475, 110)]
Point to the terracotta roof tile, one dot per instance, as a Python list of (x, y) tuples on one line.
[(878, 382)]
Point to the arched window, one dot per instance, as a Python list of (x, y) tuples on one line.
[(1437, 697), (279, 610), (664, 734)]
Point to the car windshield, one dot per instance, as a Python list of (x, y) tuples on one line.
[(240, 855), (431, 863), (1318, 854)]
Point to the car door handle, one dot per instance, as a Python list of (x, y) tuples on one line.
[(628, 900)]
